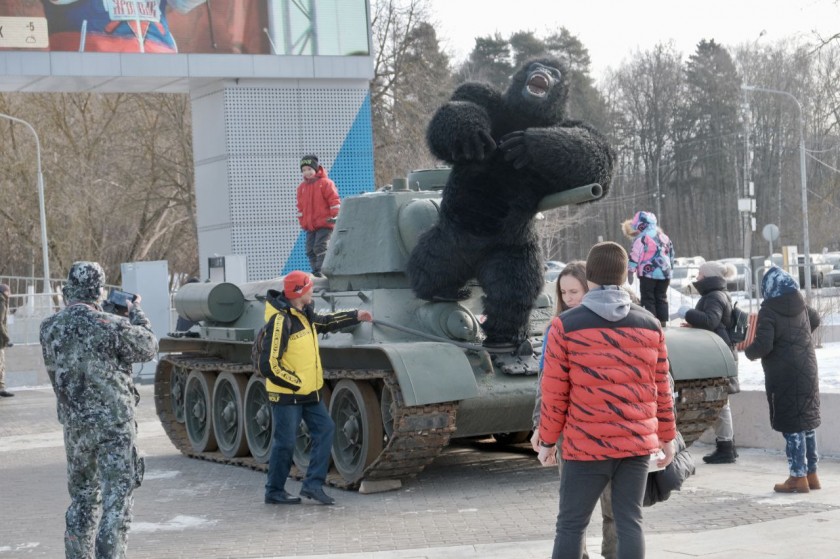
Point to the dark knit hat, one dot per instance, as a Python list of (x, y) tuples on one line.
[(296, 284), (606, 264), (309, 161)]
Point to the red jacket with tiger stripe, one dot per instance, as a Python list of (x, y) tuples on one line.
[(605, 384)]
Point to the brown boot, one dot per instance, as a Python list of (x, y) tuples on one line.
[(792, 485), (813, 481)]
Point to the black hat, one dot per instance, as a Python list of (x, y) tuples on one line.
[(606, 264), (309, 161)]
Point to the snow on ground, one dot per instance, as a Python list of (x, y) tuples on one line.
[(751, 375)]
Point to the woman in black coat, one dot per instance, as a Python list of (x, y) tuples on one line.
[(783, 342), (713, 312)]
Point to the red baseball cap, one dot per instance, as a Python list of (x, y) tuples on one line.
[(296, 284)]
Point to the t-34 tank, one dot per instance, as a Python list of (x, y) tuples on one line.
[(400, 388)]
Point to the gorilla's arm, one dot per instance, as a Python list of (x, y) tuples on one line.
[(462, 129), (567, 156)]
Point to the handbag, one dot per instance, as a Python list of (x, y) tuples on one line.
[(661, 483)]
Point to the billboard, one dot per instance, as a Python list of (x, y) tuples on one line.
[(278, 27)]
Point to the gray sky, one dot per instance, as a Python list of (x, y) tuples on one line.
[(612, 30)]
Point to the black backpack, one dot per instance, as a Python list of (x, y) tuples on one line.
[(263, 340), (263, 336), (739, 325)]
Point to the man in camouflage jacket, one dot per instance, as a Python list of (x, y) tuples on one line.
[(88, 354), (4, 337)]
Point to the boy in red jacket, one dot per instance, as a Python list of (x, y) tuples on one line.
[(318, 204), (605, 388)]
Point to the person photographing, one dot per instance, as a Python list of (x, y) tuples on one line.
[(88, 354)]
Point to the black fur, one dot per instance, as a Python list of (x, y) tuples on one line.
[(507, 151)]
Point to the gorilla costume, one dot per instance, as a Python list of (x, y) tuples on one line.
[(507, 151)]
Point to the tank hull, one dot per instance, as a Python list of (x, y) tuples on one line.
[(406, 426)]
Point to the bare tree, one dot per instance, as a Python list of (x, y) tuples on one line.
[(775, 132), (118, 181), (651, 85), (411, 78)]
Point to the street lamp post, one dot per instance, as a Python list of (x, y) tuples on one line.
[(44, 249), (806, 242)]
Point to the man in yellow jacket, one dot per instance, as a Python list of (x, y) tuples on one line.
[(291, 363)]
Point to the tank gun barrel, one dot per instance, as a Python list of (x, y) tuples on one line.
[(574, 196)]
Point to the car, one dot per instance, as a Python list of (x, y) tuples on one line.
[(819, 269), (832, 279), (689, 260), (743, 274), (553, 269), (682, 278), (554, 265), (832, 258)]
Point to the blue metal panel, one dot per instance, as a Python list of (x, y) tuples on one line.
[(352, 172)]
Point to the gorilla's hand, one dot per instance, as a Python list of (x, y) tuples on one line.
[(474, 145), (460, 132), (515, 150)]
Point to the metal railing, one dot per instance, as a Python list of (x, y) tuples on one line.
[(825, 299), (28, 307)]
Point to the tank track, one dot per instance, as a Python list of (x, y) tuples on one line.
[(419, 433), (698, 404), (175, 430)]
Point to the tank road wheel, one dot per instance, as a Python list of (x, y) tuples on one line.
[(198, 401), (303, 442), (258, 421), (177, 388), (388, 409), (228, 416), (358, 428)]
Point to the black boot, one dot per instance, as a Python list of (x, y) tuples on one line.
[(724, 453)]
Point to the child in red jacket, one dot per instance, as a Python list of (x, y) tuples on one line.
[(318, 204), (605, 387)]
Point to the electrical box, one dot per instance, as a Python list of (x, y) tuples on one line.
[(232, 268), (150, 280), (746, 205)]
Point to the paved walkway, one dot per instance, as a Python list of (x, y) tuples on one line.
[(476, 501)]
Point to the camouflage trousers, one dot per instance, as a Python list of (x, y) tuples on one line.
[(2, 369), (103, 469)]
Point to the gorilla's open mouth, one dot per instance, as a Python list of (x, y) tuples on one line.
[(538, 84)]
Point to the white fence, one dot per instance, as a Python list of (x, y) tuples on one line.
[(28, 307)]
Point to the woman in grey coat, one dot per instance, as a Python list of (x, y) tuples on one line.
[(784, 345)]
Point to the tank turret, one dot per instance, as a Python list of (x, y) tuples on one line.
[(400, 388)]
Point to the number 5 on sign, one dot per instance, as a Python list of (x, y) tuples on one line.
[(23, 33)]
